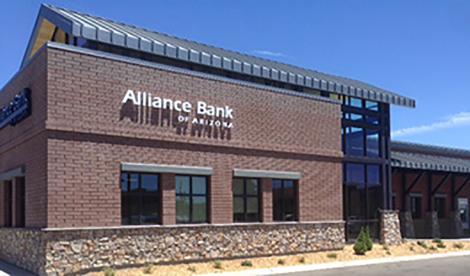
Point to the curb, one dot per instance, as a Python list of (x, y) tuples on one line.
[(333, 265)]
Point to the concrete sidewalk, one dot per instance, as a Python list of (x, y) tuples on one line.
[(334, 265)]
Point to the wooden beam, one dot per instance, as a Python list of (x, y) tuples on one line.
[(440, 183), (414, 182), (467, 180)]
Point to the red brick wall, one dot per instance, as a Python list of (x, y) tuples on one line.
[(25, 143), (79, 155)]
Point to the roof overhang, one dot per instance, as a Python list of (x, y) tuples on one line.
[(92, 28)]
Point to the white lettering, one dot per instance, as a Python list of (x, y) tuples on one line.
[(130, 96), (187, 107)]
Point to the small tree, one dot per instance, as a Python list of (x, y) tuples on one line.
[(368, 239), (360, 247)]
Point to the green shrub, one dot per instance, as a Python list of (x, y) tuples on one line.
[(412, 249), (218, 264), (148, 269), (281, 262), (441, 245), (332, 255), (368, 239), (388, 252), (302, 260), (422, 244), (363, 243), (385, 247), (432, 248), (246, 263), (437, 241), (109, 271), (192, 269), (458, 245)]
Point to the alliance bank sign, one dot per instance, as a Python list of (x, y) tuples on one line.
[(200, 117)]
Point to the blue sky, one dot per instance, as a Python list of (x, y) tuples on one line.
[(420, 49)]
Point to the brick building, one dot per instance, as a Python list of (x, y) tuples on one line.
[(120, 146)]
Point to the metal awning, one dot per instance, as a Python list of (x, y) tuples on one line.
[(94, 28)]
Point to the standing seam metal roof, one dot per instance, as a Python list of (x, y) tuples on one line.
[(427, 157), (106, 31)]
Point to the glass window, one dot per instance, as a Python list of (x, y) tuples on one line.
[(246, 200), (354, 141), (373, 120), (140, 198), (372, 105), (356, 102), (354, 116), (373, 174), (284, 200), (440, 206), (373, 143), (355, 173), (191, 199), (416, 206)]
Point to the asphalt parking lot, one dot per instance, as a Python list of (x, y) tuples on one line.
[(451, 266)]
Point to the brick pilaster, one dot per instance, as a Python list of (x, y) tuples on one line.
[(167, 183), (266, 200)]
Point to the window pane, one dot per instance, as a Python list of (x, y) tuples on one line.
[(134, 182), (416, 207), (182, 184), (356, 198), (133, 209), (284, 200), (373, 175), (124, 187), (356, 102), (238, 186), (199, 185), (354, 117), (252, 187), (182, 208), (199, 209), (372, 105), (355, 141), (252, 205), (355, 173), (374, 197), (372, 143), (238, 205), (150, 213), (373, 120), (149, 183)]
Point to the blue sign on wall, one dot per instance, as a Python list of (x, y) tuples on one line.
[(18, 109)]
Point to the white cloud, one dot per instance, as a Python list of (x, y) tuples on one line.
[(269, 53), (455, 120)]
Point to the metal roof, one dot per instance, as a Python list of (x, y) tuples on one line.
[(427, 157), (106, 31)]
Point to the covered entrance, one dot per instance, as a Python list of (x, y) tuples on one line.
[(431, 189)]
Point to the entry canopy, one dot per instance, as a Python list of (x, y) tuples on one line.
[(433, 158), (62, 24)]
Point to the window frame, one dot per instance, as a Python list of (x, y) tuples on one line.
[(141, 194), (191, 195), (296, 199), (245, 197), (419, 214)]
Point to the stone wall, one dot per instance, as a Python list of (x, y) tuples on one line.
[(390, 227), (76, 251), (22, 247)]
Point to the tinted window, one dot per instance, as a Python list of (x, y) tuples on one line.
[(284, 200), (191, 199), (140, 198), (246, 200)]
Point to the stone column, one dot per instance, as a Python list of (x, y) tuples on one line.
[(168, 199), (390, 227), (266, 200), (407, 224), (457, 227), (433, 229)]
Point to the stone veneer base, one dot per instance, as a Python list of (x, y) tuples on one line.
[(66, 251)]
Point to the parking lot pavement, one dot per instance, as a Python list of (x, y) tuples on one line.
[(433, 267)]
